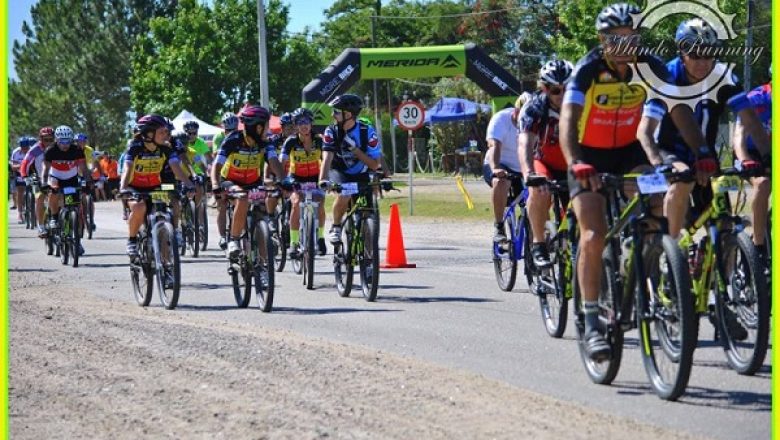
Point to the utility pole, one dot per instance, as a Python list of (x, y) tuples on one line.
[(377, 121), (748, 44), (261, 51)]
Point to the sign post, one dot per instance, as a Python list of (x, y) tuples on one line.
[(410, 116)]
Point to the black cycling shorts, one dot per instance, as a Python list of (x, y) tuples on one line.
[(616, 161), (487, 176)]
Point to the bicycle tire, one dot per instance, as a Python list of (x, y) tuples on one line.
[(75, 237), (369, 259), (602, 373), (141, 273), (668, 333), (49, 243), (554, 306), (90, 216), (505, 258), (308, 251), (195, 249), (279, 247), (263, 241), (183, 219), (746, 297), (241, 274), (62, 243), (169, 297), (203, 229), (342, 260)]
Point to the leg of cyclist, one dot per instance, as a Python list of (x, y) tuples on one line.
[(54, 203), (40, 212), (339, 208), (134, 222), (221, 219), (19, 198), (271, 203), (321, 228), (295, 224), (762, 189), (239, 221), (500, 190), (539, 202)]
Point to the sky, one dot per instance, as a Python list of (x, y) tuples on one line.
[(302, 13)]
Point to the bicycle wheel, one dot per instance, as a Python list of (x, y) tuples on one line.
[(666, 317), (505, 256), (203, 225), (308, 250), (183, 220), (553, 302), (263, 266), (744, 302), (279, 246), (90, 217), (75, 237), (603, 372), (49, 242), (29, 209), (369, 260), (241, 274), (195, 232), (342, 260), (141, 273), (168, 269), (63, 247)]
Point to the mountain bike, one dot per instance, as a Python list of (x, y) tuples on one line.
[(201, 213), (309, 222), (89, 210), (726, 263), (253, 268), (158, 256), (189, 224), (30, 189), (68, 237), (645, 285), (280, 234)]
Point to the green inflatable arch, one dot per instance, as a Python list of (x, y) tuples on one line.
[(409, 62)]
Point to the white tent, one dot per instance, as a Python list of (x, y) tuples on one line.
[(206, 131)]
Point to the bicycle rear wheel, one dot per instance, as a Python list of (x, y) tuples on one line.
[(552, 301), (195, 231), (745, 303), (263, 266), (603, 372), (241, 274), (203, 225), (308, 251), (141, 273), (90, 216), (666, 317), (75, 237), (369, 260), (168, 269), (342, 260), (279, 246)]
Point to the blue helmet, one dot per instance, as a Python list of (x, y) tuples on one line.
[(696, 32), (286, 119), (81, 137)]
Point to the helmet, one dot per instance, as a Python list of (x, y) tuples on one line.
[(348, 102), (63, 134), (286, 119), (81, 137), (617, 15), (191, 125), (253, 114), (229, 121), (150, 122), (22, 141), (169, 123), (695, 32), (556, 72), (46, 132), (302, 113)]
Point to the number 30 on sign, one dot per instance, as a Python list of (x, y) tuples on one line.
[(410, 115)]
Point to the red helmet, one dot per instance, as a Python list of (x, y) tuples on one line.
[(253, 114), (149, 123), (46, 132)]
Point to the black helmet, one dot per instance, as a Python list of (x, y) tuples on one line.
[(286, 119), (191, 126), (348, 102), (302, 113)]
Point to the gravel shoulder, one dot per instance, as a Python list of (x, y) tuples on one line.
[(86, 367)]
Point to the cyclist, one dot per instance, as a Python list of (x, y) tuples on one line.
[(502, 157), (668, 148), (202, 150), (539, 149), (240, 161), (350, 149), (746, 151), (598, 128), (288, 129), (32, 166), (91, 161), (62, 166), (17, 157), (145, 158), (302, 153), (229, 125)]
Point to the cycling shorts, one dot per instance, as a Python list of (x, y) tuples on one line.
[(337, 176), (616, 161), (487, 176)]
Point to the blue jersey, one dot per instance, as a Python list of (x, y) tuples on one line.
[(761, 100), (344, 160), (707, 114)]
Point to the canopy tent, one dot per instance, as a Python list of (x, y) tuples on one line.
[(452, 110), (205, 130)]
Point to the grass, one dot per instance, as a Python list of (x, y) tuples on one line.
[(442, 205)]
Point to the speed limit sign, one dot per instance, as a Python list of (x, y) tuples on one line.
[(410, 115)]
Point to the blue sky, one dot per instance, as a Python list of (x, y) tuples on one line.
[(302, 13)]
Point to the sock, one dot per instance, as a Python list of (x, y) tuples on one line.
[(499, 225), (761, 249), (320, 232), (132, 240), (294, 236), (591, 311)]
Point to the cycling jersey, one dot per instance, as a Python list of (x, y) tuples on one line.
[(195, 159), (64, 163), (32, 164), (89, 155), (302, 164), (201, 148), (241, 163), (539, 118), (180, 150), (343, 160), (502, 129), (761, 100), (146, 166), (218, 138), (611, 107), (17, 157), (707, 114)]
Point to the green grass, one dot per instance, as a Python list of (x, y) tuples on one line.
[(432, 205)]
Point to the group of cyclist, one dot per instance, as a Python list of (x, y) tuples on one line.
[(588, 119)]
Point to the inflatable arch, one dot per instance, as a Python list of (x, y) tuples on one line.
[(409, 62)]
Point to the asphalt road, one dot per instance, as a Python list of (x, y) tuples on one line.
[(449, 311)]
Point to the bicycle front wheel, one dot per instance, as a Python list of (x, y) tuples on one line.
[(75, 236), (505, 260), (263, 266), (743, 307), (666, 317), (308, 250), (142, 273), (203, 225), (63, 247), (342, 260), (90, 217), (241, 274), (195, 230), (369, 259), (168, 269), (552, 300)]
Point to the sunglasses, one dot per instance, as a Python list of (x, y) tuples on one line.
[(305, 121), (694, 56), (192, 133), (63, 142), (554, 91)]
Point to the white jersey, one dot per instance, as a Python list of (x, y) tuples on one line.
[(503, 130)]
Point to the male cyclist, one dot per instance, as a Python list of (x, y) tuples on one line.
[(539, 150), (61, 168), (350, 149), (91, 161), (301, 154), (17, 157), (32, 166), (229, 125), (240, 161), (146, 156), (288, 129), (598, 127)]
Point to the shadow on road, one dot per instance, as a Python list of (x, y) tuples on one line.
[(326, 311), (205, 286), (398, 286), (432, 299), (706, 397), (105, 265), (30, 270), (213, 308)]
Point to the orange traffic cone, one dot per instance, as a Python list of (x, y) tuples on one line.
[(395, 253)]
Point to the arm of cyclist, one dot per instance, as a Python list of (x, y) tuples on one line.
[(645, 133), (371, 162), (584, 173), (275, 167), (46, 168), (740, 142), (706, 165), (327, 158), (753, 128), (495, 157), (525, 151)]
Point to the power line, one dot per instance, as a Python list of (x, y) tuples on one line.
[(464, 14)]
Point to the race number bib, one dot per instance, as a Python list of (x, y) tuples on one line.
[(349, 188), (652, 183)]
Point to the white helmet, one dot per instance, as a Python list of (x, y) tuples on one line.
[(63, 134), (556, 72), (695, 32), (615, 16), (229, 121)]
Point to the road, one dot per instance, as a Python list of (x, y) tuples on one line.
[(447, 311)]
